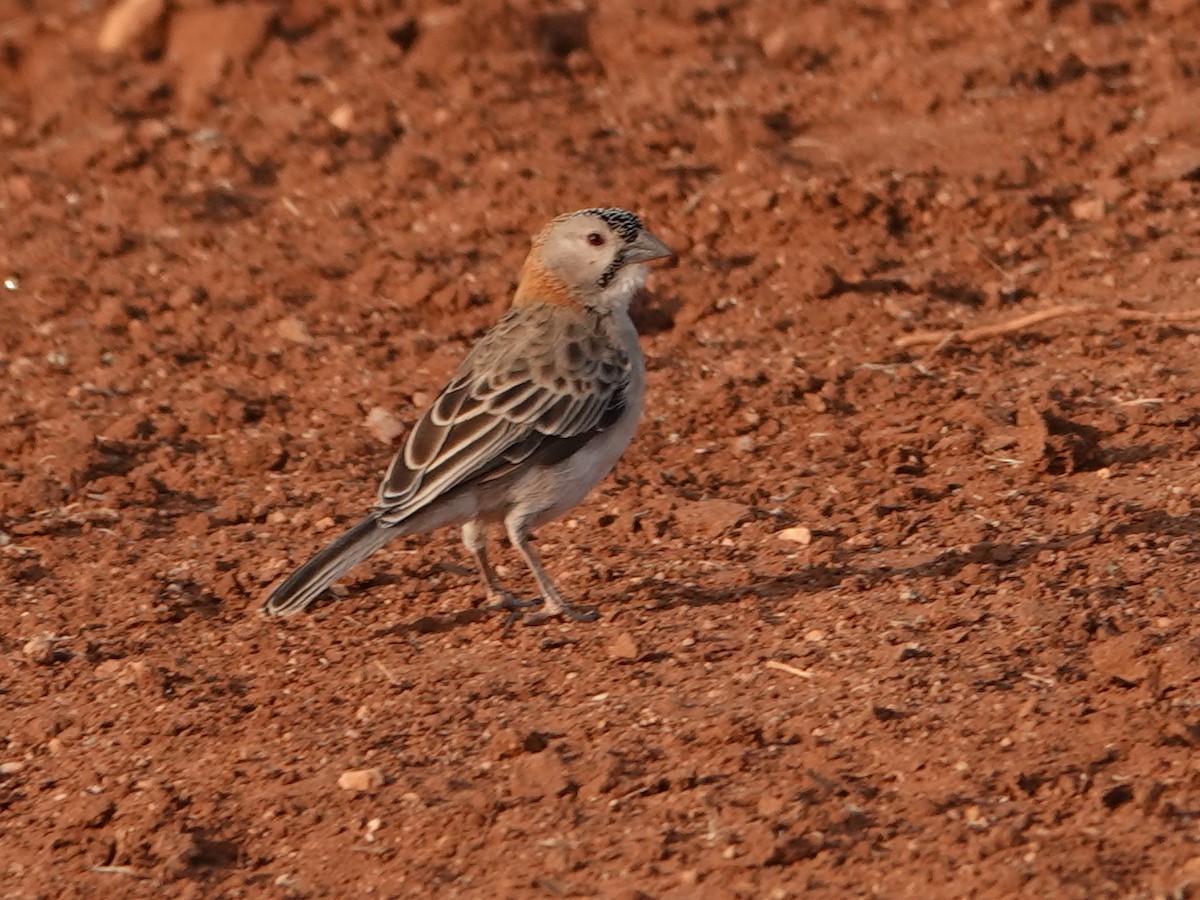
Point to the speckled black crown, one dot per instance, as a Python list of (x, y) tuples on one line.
[(622, 221)]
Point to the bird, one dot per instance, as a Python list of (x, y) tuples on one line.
[(536, 415)]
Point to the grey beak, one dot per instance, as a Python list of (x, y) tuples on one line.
[(646, 247)]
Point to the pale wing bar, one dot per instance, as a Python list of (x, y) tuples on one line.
[(481, 429)]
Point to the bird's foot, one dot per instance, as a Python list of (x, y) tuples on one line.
[(562, 610), (503, 600)]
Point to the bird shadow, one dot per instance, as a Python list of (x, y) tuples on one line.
[(1004, 556), (440, 623), (852, 567), (432, 623)]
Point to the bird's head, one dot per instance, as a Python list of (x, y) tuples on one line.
[(593, 257)]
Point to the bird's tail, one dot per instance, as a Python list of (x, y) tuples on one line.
[(328, 565)]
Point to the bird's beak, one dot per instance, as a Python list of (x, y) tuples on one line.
[(646, 247)]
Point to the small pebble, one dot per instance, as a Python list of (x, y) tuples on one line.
[(801, 535), (778, 43), (40, 649), (292, 329), (383, 425), (342, 118), (1088, 210), (361, 780), (126, 22)]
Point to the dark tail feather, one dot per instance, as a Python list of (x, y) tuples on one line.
[(329, 564)]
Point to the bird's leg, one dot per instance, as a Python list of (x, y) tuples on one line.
[(554, 604), (474, 537)]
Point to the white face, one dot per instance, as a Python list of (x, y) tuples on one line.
[(587, 255), (599, 255)]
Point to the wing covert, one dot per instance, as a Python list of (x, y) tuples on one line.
[(509, 403)]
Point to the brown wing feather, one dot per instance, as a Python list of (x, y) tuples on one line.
[(512, 401)]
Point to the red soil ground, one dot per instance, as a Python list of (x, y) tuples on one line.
[(230, 235)]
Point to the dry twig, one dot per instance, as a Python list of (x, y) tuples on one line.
[(127, 871), (791, 670), (387, 673), (983, 332)]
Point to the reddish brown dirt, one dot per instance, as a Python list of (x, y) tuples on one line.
[(230, 239)]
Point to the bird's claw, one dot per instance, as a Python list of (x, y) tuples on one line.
[(566, 611), (503, 600)]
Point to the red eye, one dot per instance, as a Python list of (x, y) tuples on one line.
[(596, 239)]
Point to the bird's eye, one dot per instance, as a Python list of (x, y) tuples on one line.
[(596, 239)]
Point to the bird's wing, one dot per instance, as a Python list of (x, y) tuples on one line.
[(529, 391)]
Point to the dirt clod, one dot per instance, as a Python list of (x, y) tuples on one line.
[(623, 647), (710, 518), (537, 775)]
